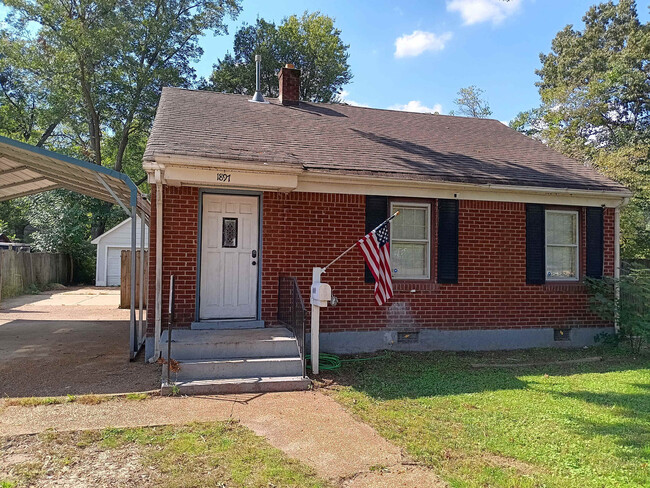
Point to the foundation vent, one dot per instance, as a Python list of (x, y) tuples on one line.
[(408, 337), (561, 335)]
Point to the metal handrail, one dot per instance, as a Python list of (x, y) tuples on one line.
[(170, 326), (292, 313)]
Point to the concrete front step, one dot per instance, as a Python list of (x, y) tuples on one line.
[(227, 324), (238, 385), (220, 369), (228, 344)]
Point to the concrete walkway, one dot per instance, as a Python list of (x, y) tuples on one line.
[(70, 341), (308, 426)]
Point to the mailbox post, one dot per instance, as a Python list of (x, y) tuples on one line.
[(321, 293)]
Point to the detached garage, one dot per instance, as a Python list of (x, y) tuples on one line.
[(109, 248)]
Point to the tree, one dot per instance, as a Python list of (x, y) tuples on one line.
[(30, 107), (105, 63), (470, 102), (63, 221), (595, 93), (311, 43), (118, 55)]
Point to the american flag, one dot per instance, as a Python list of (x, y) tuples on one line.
[(376, 251)]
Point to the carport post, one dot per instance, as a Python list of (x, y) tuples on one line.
[(134, 222)]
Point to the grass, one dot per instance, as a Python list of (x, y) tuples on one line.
[(584, 425), (214, 454), (34, 401), (89, 399), (138, 397)]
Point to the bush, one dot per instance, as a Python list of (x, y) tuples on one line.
[(631, 307)]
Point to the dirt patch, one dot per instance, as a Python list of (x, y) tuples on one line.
[(398, 476), (41, 461), (506, 462)]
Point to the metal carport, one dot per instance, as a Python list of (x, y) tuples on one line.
[(26, 170)]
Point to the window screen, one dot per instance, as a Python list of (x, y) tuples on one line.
[(561, 245), (410, 241)]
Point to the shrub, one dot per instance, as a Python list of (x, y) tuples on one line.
[(630, 307)]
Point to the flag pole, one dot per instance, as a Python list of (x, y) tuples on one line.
[(352, 246)]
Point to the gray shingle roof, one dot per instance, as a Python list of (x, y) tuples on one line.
[(364, 141)]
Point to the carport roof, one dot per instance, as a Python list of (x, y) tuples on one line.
[(26, 170)]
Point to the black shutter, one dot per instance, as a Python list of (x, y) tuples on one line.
[(447, 241), (595, 242), (376, 213), (535, 244)]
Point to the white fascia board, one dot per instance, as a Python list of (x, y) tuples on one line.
[(218, 176), (202, 171), (327, 183)]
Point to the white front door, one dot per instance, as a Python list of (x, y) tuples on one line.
[(229, 257)]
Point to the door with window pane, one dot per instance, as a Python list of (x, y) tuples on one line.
[(410, 241), (229, 244)]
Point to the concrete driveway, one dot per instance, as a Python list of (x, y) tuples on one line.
[(71, 341)]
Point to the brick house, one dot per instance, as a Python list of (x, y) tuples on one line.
[(495, 236)]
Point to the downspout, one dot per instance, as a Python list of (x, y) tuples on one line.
[(617, 259), (159, 262)]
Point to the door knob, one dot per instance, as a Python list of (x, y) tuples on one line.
[(254, 263)]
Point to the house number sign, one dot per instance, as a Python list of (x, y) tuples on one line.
[(224, 177)]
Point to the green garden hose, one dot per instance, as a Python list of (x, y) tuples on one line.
[(329, 362)]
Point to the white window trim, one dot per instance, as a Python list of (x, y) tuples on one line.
[(576, 245), (399, 203)]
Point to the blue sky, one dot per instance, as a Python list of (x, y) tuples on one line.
[(445, 45), (416, 55)]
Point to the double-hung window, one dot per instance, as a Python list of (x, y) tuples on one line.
[(561, 245), (410, 241)]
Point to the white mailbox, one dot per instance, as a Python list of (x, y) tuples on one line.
[(321, 293)]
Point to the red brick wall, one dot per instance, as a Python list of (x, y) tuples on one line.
[(303, 230), (180, 234)]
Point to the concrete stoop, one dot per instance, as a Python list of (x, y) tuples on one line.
[(236, 360)]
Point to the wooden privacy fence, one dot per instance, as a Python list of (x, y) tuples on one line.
[(20, 271), (125, 279)]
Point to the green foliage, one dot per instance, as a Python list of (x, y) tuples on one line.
[(630, 305), (560, 426), (13, 214), (311, 43), (595, 92), (84, 78), (110, 59), (470, 102), (63, 221)]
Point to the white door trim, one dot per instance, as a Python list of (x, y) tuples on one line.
[(215, 191)]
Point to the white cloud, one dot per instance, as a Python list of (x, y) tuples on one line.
[(416, 106), (477, 11), (419, 42), (343, 98)]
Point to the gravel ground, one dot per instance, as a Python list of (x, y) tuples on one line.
[(46, 464), (71, 341)]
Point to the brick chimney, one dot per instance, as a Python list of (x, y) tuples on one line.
[(289, 85)]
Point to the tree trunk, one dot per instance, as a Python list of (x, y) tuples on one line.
[(48, 132)]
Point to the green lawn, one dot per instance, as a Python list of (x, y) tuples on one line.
[(215, 454), (585, 425)]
